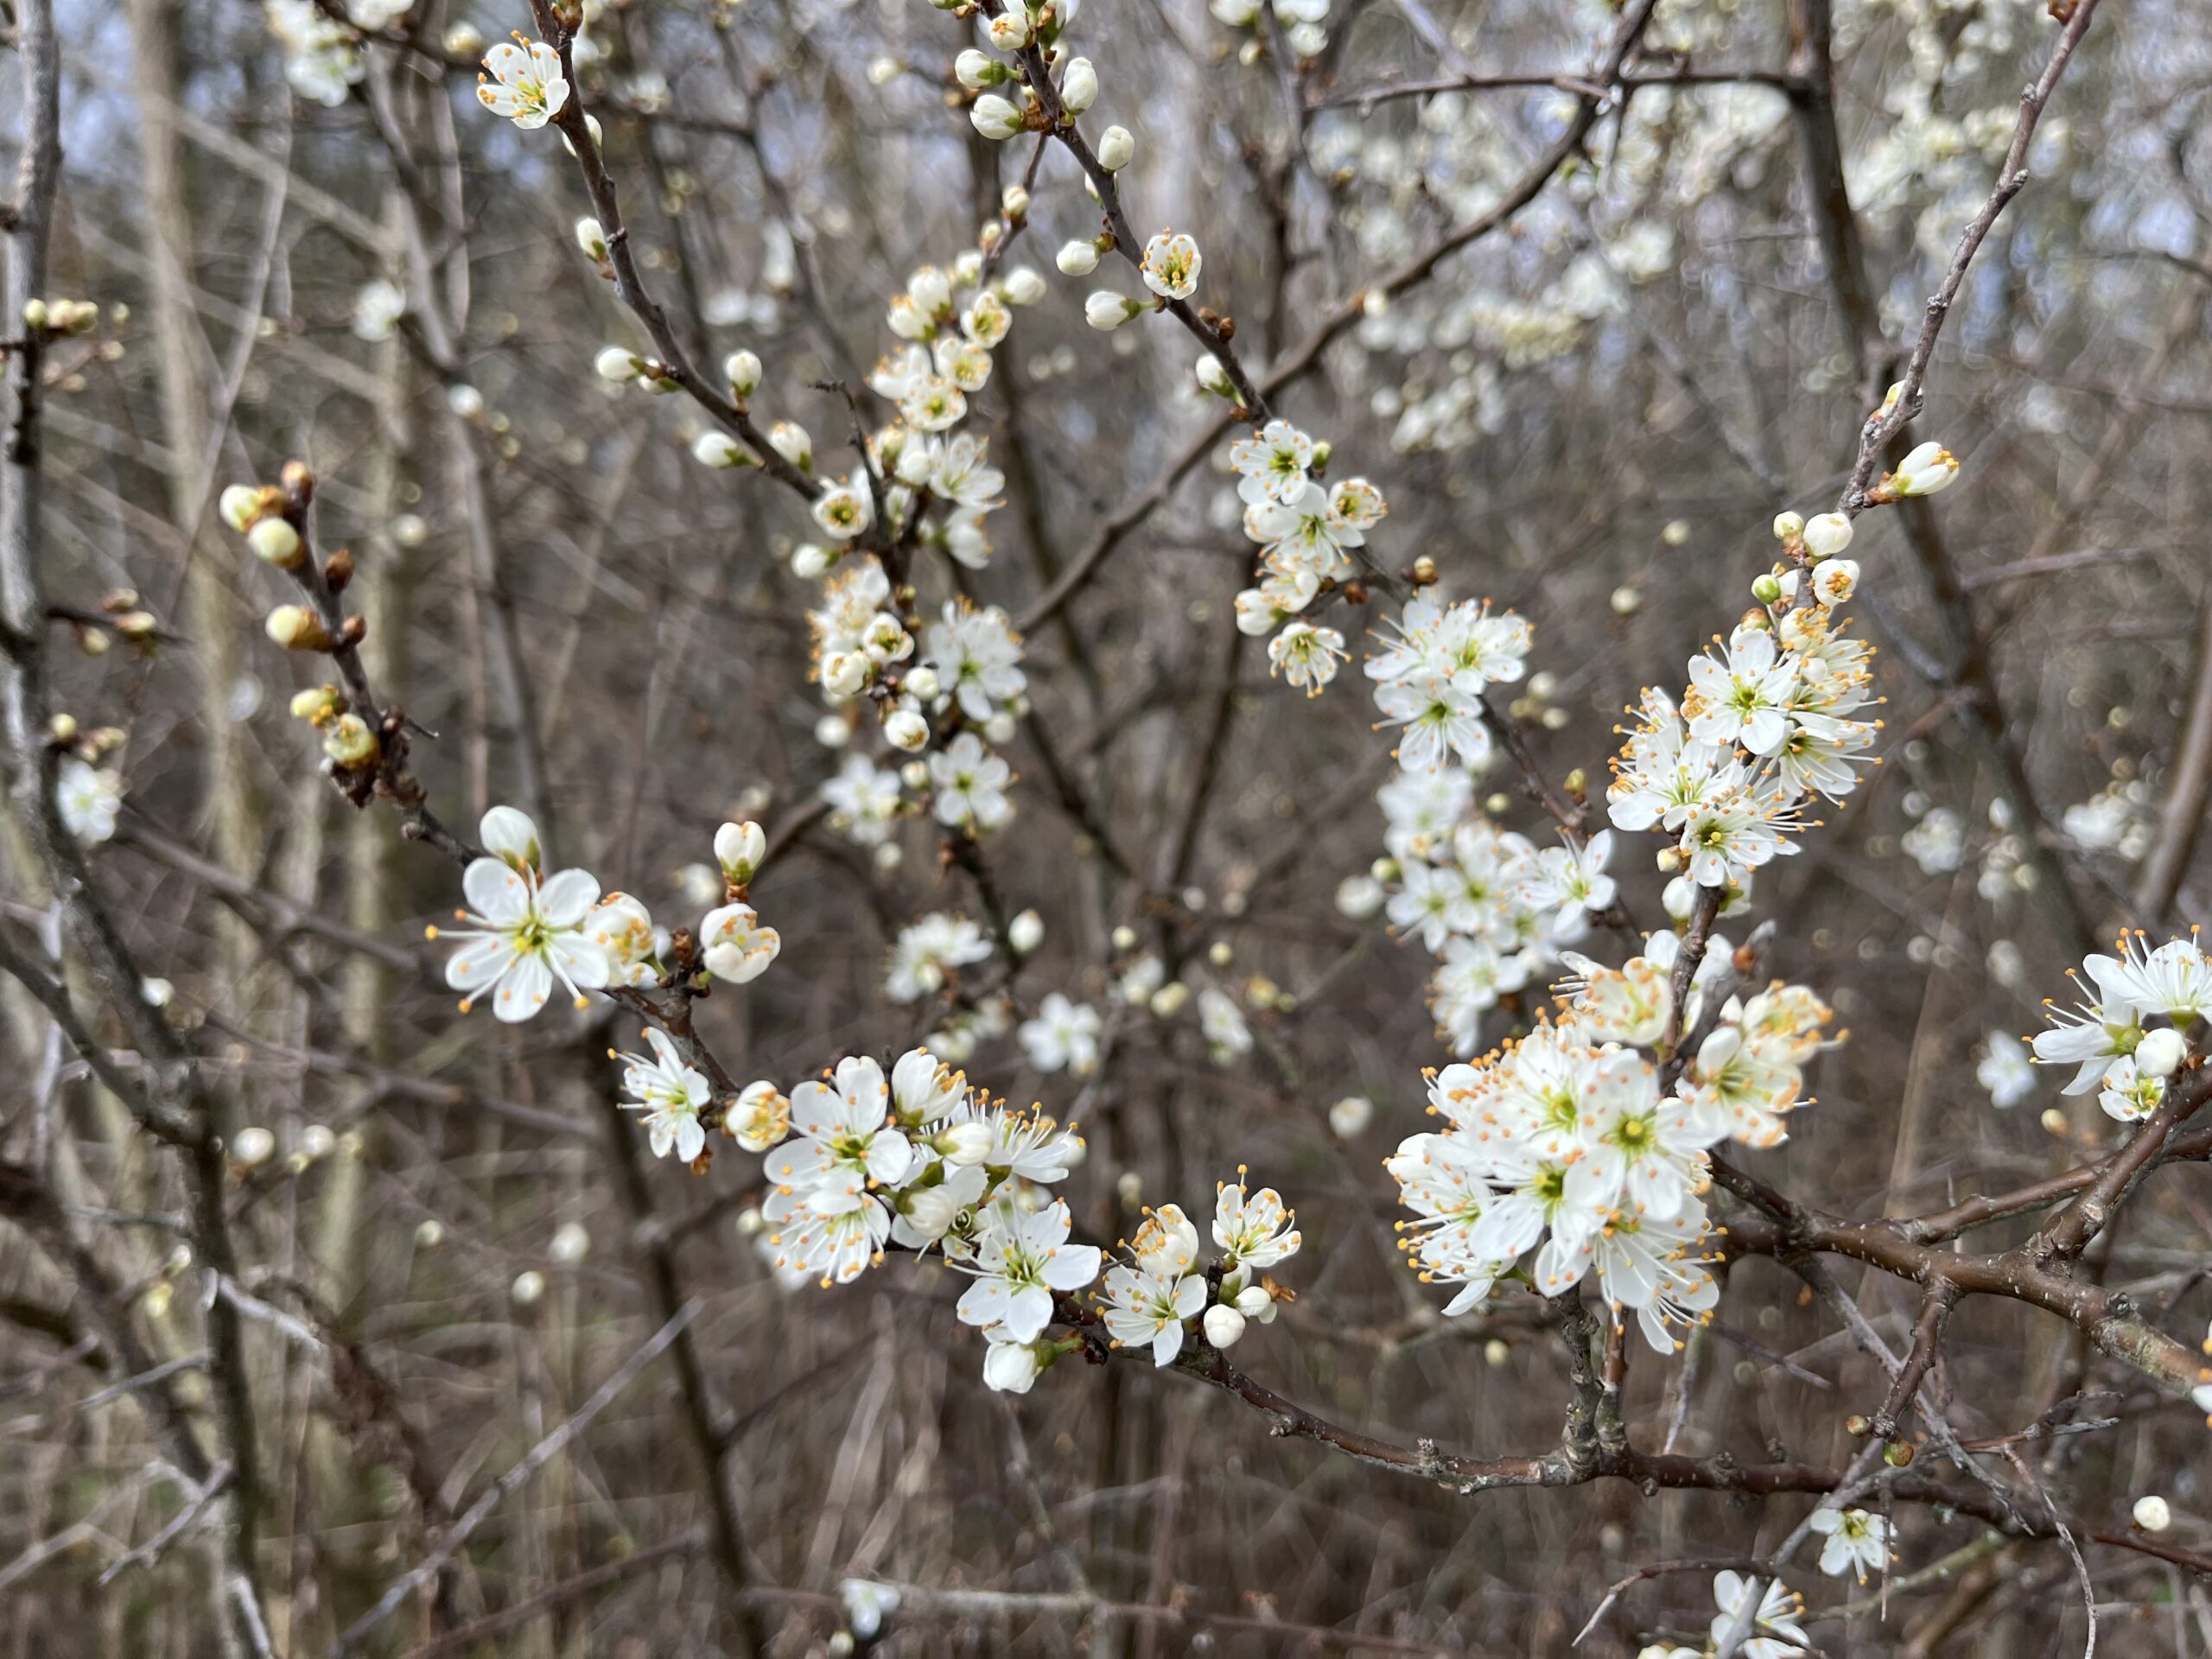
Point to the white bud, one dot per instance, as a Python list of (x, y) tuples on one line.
[(1009, 30), (832, 733), (1077, 258), (810, 560), (617, 365), (465, 401), (1827, 535), (527, 1287), (1000, 728), (995, 117), (965, 1145), (276, 542), (1026, 932), (791, 440), (2152, 1513), (714, 447), (1022, 286), (922, 682), (253, 1146), (1010, 1367), (1359, 897), (571, 1244), (591, 238), (976, 69), (905, 730), (1223, 1326), (1014, 202), (1106, 311), (742, 371), (1213, 377), (240, 505), (429, 1234), (1117, 148), (318, 1140), (1787, 524), (1079, 86), (1350, 1114), (2160, 1052), (1254, 1303), (739, 848)]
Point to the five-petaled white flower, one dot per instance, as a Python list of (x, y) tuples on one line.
[(88, 798), (524, 933), (526, 85), (1021, 1258), (1145, 1308), (669, 1094), (1062, 1036), (1170, 264), (1856, 1542), (1254, 1230)]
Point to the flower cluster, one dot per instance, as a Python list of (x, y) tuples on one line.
[(1765, 725), (861, 1163), (527, 931), (1149, 1299), (1564, 1143), (1305, 529), (1431, 680), (2110, 1038)]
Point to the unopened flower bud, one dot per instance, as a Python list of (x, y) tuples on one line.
[(742, 371), (965, 1145), (240, 505), (618, 366), (1787, 524), (296, 628), (1022, 286), (1350, 1115), (739, 848), (1010, 1368), (1223, 1326), (528, 1286), (591, 236), (2152, 1513), (253, 1146), (1009, 30), (1077, 258), (923, 681), (1079, 86), (995, 117), (571, 1244), (976, 69), (1767, 589), (274, 542), (1106, 311), (2160, 1052), (1253, 1302), (1827, 535), (791, 440), (1026, 932), (905, 730), (714, 448), (1117, 148)]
